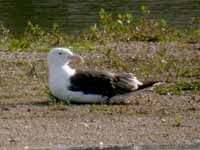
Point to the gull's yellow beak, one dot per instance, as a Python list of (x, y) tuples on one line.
[(77, 59)]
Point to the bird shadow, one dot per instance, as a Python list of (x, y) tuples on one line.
[(46, 103), (101, 103), (6, 107)]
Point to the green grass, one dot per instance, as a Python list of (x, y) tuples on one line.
[(109, 28), (119, 109), (178, 121), (116, 61), (126, 27), (179, 88)]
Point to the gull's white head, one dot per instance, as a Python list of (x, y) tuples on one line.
[(61, 56)]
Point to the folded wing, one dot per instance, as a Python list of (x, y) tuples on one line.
[(103, 83)]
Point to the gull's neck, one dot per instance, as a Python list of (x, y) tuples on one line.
[(68, 70), (59, 76), (61, 71)]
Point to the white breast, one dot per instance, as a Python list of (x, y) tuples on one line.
[(59, 83)]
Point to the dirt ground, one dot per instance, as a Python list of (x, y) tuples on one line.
[(147, 118)]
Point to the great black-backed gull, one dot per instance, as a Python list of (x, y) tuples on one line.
[(66, 83)]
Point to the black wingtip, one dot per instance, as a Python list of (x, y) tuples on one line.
[(148, 84)]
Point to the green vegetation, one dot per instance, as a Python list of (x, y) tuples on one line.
[(178, 120), (114, 60), (179, 88), (124, 27), (110, 28)]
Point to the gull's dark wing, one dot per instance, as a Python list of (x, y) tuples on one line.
[(106, 84), (100, 83)]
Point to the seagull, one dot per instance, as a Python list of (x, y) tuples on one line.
[(79, 86)]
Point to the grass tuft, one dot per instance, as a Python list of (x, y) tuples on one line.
[(119, 109), (178, 120), (178, 88)]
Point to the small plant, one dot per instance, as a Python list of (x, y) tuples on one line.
[(189, 68), (57, 35), (111, 27), (178, 120), (193, 71), (162, 62), (18, 45), (125, 27), (178, 88), (35, 30), (193, 33), (82, 46), (4, 33), (103, 107), (116, 61)]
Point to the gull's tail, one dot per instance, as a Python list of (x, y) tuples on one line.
[(140, 88), (148, 84)]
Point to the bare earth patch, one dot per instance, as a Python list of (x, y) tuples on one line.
[(27, 119)]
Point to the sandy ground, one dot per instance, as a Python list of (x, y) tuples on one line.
[(147, 118)]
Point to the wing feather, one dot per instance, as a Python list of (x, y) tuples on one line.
[(101, 83)]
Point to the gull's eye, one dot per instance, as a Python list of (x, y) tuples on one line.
[(60, 53)]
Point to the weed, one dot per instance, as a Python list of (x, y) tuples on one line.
[(116, 61), (193, 33), (18, 45), (21, 62), (96, 107), (4, 33), (35, 30), (82, 46), (110, 108), (161, 63), (178, 88), (178, 120), (189, 68), (188, 72), (125, 27)]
